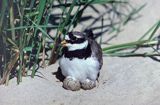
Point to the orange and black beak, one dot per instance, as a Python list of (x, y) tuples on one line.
[(63, 43)]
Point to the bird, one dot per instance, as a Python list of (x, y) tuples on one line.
[(81, 61)]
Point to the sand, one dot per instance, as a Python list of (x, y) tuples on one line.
[(123, 81)]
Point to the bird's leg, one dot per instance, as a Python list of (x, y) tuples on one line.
[(88, 84), (71, 83)]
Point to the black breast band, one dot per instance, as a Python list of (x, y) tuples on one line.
[(81, 54)]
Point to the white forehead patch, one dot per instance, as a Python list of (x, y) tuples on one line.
[(67, 37), (78, 36)]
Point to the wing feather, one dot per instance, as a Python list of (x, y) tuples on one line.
[(96, 51)]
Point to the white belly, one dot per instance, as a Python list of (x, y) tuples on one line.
[(80, 69)]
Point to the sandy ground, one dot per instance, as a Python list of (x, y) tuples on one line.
[(123, 81)]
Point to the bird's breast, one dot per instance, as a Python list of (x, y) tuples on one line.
[(79, 68)]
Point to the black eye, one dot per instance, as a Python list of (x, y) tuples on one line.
[(72, 37)]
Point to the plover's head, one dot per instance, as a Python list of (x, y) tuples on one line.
[(75, 41)]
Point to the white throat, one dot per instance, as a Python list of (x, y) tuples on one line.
[(72, 47)]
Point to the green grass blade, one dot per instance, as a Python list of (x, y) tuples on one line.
[(130, 54), (2, 13), (135, 11), (11, 13), (42, 30), (131, 45), (154, 31), (150, 29), (125, 44), (26, 27), (35, 64), (107, 1)]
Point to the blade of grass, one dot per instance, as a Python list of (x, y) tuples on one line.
[(37, 55), (68, 15), (10, 67), (12, 43), (42, 30), (41, 10), (139, 42), (130, 54), (154, 31), (125, 45), (25, 27), (131, 45), (135, 11), (150, 29), (108, 1), (11, 13), (78, 3), (2, 13)]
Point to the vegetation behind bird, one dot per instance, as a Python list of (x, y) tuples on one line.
[(24, 38)]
